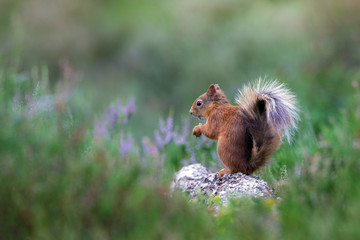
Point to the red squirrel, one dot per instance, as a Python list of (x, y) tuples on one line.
[(248, 133)]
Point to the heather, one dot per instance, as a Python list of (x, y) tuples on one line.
[(94, 100)]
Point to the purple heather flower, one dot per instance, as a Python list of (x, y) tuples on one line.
[(100, 130), (129, 109), (164, 135), (125, 145), (158, 139), (180, 139), (167, 138), (145, 147), (184, 163), (167, 129), (113, 115), (149, 148), (30, 103), (185, 127), (192, 158), (169, 123)]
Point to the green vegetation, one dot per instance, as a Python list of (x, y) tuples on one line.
[(94, 101)]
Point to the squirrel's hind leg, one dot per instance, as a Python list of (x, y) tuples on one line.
[(222, 172), (227, 157)]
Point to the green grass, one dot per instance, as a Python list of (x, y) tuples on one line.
[(57, 181), (60, 181)]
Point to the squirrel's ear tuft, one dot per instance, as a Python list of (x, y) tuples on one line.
[(211, 90)]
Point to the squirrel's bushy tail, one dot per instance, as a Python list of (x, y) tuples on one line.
[(271, 112), (281, 106)]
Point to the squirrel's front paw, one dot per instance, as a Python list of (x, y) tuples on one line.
[(196, 131)]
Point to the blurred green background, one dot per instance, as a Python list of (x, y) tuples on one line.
[(83, 55), (167, 52)]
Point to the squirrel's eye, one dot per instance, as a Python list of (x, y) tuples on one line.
[(198, 103)]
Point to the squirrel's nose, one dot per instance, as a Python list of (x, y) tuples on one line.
[(190, 112)]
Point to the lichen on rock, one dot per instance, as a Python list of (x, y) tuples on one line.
[(195, 177)]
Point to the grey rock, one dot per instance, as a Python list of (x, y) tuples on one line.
[(195, 177)]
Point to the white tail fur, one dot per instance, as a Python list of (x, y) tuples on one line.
[(282, 110)]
